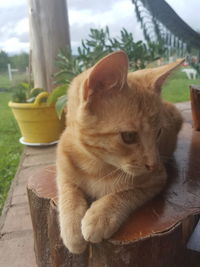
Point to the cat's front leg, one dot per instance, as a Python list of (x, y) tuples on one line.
[(106, 214), (72, 207)]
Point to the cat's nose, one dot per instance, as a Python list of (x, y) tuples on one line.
[(152, 166)]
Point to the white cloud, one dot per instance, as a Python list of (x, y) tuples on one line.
[(12, 3), (22, 26), (15, 36), (187, 10), (13, 45), (83, 15), (114, 13), (120, 15), (119, 11), (96, 6)]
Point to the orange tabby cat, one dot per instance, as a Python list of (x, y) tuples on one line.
[(118, 131)]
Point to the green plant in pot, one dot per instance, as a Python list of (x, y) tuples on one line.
[(37, 120), (69, 67)]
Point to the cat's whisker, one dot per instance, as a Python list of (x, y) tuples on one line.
[(112, 172), (126, 177), (87, 165), (105, 176), (118, 178), (123, 178)]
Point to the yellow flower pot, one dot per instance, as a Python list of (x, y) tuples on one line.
[(37, 121)]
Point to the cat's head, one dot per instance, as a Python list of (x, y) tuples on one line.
[(120, 116)]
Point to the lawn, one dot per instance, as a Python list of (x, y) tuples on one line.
[(10, 148), (5, 84), (176, 89)]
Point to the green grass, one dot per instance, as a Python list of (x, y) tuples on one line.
[(4, 81), (10, 148), (6, 84), (176, 89)]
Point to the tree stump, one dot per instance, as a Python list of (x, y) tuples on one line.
[(195, 105), (153, 236)]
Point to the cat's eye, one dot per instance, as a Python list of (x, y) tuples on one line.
[(129, 137), (159, 133)]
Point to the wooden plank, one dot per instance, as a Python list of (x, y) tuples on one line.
[(195, 103)]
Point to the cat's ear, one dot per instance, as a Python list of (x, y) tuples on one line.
[(153, 79), (160, 74), (108, 73)]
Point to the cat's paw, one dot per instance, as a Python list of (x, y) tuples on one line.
[(98, 225), (75, 243)]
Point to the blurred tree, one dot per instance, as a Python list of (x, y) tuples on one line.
[(20, 61), (4, 60), (98, 44)]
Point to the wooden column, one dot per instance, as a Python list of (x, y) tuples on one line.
[(195, 105), (49, 32)]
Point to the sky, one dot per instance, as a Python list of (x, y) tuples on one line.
[(83, 15)]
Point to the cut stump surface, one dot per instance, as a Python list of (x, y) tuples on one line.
[(154, 235)]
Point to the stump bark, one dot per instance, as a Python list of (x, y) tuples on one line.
[(195, 105), (154, 235)]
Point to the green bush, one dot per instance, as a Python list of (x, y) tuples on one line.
[(99, 44)]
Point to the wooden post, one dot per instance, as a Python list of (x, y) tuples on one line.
[(49, 32), (195, 105), (9, 72)]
